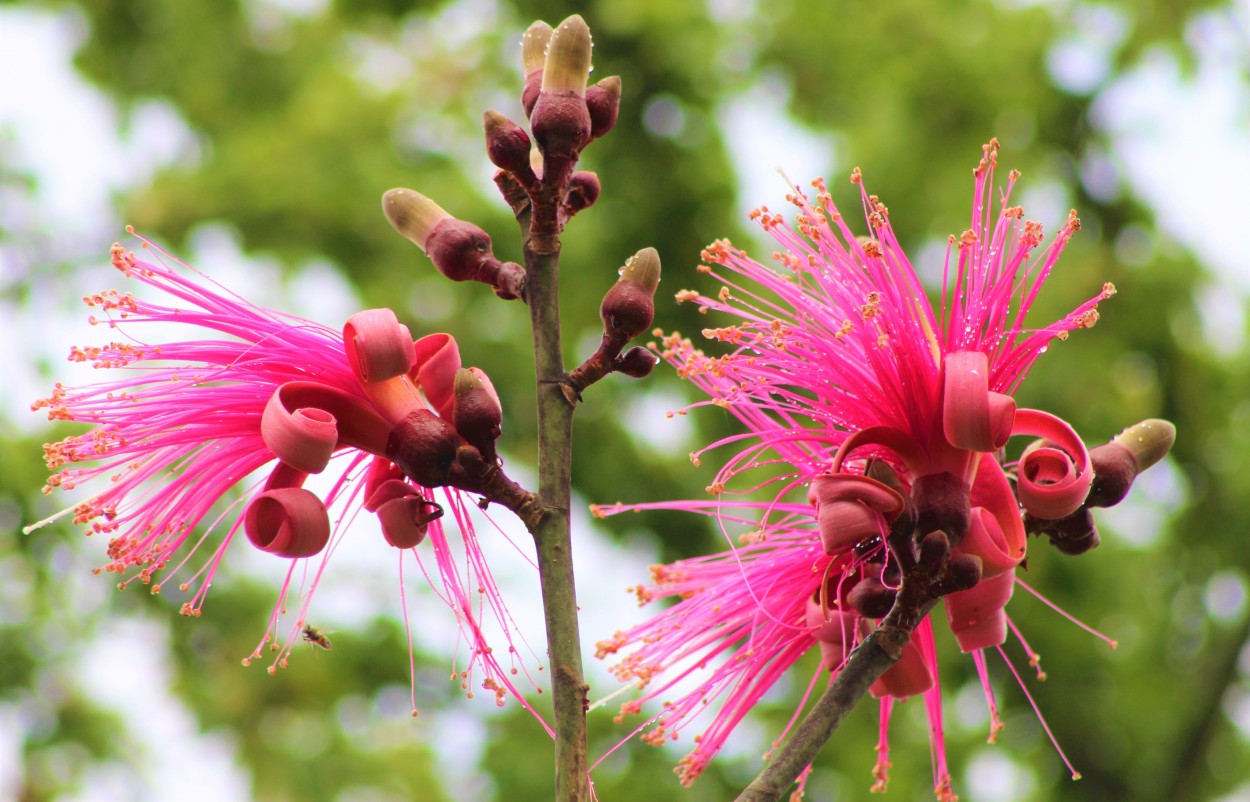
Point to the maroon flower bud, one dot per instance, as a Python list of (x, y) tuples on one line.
[(561, 126), (963, 572), (628, 308), (870, 598), (533, 59), (941, 501), (507, 145), (1075, 534), (1118, 463), (1114, 472), (637, 362), (583, 191), (560, 120), (477, 413), (603, 101), (935, 549), (424, 445)]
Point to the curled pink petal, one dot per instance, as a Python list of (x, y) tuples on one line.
[(302, 437), (436, 362), (288, 522), (973, 418), (388, 491), (405, 520), (976, 615), (379, 347), (996, 534), (910, 676), (1052, 482), (850, 508), (304, 422)]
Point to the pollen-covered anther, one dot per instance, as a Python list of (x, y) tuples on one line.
[(1087, 319)]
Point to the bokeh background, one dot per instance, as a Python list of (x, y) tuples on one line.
[(254, 139)]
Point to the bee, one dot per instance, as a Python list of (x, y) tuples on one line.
[(316, 637)]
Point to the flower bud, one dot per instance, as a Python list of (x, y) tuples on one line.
[(424, 447), (941, 501), (413, 214), (507, 144), (567, 64), (628, 308), (637, 362), (870, 598), (582, 193), (477, 415), (603, 101), (533, 59), (1073, 535), (1118, 463), (560, 120)]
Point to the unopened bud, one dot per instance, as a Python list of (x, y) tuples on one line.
[(533, 59), (567, 65), (603, 101), (583, 191), (1075, 534), (560, 120), (461, 251), (1148, 441), (643, 268), (637, 362), (507, 144), (628, 308), (870, 598), (1118, 463), (963, 572), (413, 214), (477, 414)]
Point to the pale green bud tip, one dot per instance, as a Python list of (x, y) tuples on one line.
[(534, 46), (494, 121), (1148, 441), (412, 214), (568, 57), (466, 381), (643, 268), (611, 85)]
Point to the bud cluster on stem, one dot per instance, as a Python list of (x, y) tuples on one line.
[(627, 311), (1115, 466)]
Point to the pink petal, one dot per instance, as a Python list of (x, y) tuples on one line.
[(976, 615), (288, 522), (850, 508), (379, 347), (405, 520), (305, 421), (997, 532), (435, 364), (1052, 482), (973, 418), (302, 437), (910, 676)]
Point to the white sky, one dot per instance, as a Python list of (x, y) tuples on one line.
[(1181, 143)]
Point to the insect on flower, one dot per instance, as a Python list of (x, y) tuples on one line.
[(316, 638)]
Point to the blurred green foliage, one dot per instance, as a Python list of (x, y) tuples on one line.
[(303, 120)]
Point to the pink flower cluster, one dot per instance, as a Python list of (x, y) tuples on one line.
[(866, 409), (183, 423)]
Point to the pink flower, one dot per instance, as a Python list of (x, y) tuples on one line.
[(867, 410), (179, 424)]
